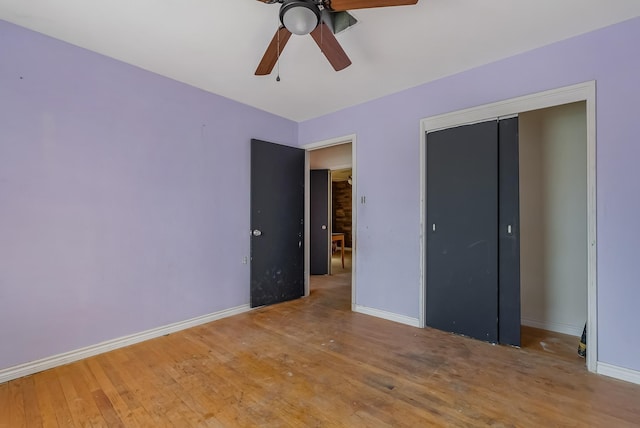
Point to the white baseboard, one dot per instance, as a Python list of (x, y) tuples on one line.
[(403, 319), (621, 373), (558, 327), (26, 369)]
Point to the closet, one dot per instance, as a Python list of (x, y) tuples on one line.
[(472, 231)]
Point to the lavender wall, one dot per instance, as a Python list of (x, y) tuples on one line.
[(124, 195), (388, 140), (124, 198)]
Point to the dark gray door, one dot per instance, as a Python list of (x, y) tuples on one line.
[(509, 233), (319, 222), (462, 236), (277, 223)]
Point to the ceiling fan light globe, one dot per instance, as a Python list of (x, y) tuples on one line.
[(299, 16)]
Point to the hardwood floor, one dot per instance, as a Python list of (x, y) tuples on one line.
[(313, 362), (557, 345)]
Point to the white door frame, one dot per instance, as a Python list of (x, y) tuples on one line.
[(307, 203), (581, 92)]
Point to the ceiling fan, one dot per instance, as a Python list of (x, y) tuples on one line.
[(318, 18)]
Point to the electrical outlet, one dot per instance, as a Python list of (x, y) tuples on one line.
[(245, 260)]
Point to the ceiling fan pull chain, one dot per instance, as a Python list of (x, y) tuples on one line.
[(278, 55)]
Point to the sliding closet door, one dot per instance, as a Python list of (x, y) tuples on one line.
[(509, 233), (462, 235)]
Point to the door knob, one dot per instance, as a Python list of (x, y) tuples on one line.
[(324, 227), (256, 232)]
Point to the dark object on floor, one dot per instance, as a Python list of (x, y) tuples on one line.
[(582, 347)]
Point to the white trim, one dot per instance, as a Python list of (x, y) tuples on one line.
[(390, 316), (592, 231), (343, 166), (422, 293), (110, 345), (329, 245), (617, 372), (580, 92), (330, 142), (509, 116), (465, 123), (550, 98), (558, 327), (354, 207), (307, 221)]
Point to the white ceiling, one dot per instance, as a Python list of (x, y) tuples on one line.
[(217, 44)]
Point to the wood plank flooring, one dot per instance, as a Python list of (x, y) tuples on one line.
[(314, 363)]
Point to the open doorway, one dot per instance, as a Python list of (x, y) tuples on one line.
[(553, 228), (336, 157), (341, 212)]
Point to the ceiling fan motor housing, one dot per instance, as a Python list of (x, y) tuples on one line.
[(299, 16)]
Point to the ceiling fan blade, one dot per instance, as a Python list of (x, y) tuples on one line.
[(274, 49), (330, 47), (339, 5)]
